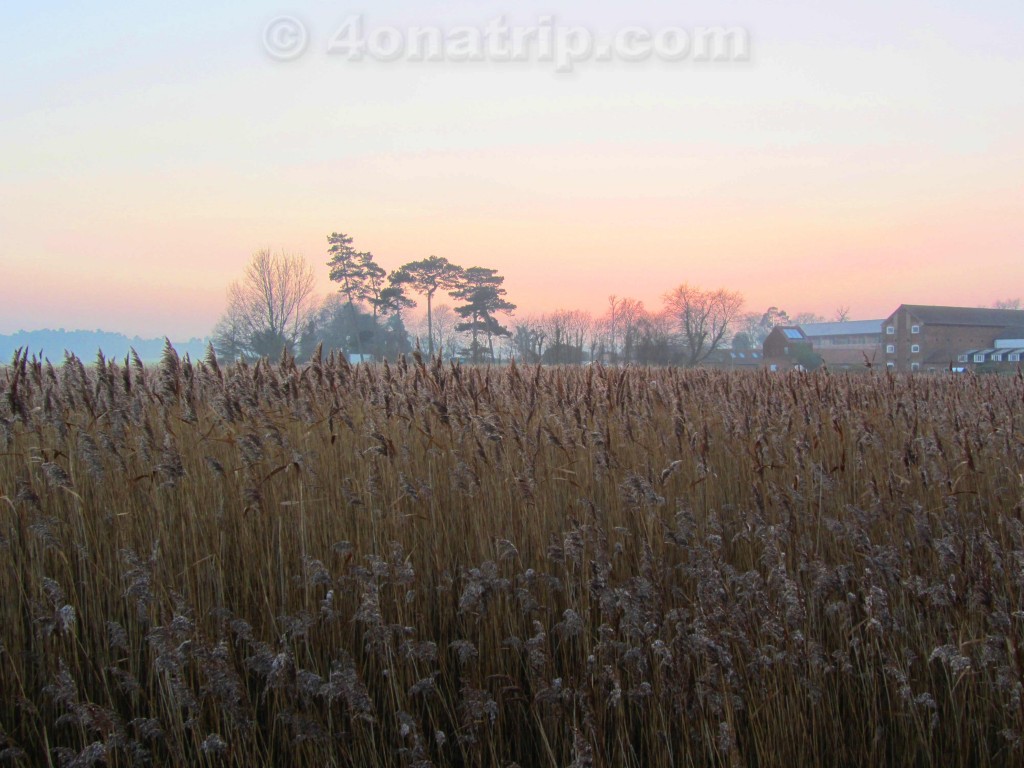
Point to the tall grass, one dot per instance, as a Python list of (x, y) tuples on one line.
[(421, 564)]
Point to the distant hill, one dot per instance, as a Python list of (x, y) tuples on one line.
[(85, 344)]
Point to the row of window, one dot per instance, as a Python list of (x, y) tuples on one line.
[(890, 330), (1013, 357), (845, 341), (997, 357)]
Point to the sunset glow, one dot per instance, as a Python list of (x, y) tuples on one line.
[(867, 155)]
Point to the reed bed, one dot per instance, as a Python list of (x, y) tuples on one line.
[(420, 564)]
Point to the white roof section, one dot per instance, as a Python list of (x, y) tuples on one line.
[(1008, 343), (849, 328)]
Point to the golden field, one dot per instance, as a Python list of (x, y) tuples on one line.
[(421, 564)]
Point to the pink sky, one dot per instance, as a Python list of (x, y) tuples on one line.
[(862, 172)]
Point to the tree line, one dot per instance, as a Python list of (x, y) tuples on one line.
[(273, 308)]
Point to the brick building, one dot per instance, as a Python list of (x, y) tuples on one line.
[(1006, 355), (733, 359), (786, 347), (846, 346), (927, 338)]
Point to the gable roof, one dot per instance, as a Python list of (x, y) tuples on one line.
[(848, 328), (969, 316), (789, 332)]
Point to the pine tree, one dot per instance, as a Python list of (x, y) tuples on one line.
[(427, 276), (358, 277), (481, 290)]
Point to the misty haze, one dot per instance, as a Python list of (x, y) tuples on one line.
[(482, 385)]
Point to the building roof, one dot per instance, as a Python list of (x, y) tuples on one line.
[(1004, 351), (848, 328), (749, 355), (941, 358), (789, 332), (969, 316)]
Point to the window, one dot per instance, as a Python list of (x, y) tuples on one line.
[(915, 366), (890, 329), (979, 358), (1014, 357), (915, 329), (890, 349), (961, 358), (997, 357), (915, 348), (890, 364)]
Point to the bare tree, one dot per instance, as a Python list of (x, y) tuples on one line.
[(753, 328), (653, 338), (230, 338), (749, 324), (805, 318), (631, 313), (842, 313), (268, 307), (611, 321), (702, 318), (621, 321), (1006, 304), (445, 322), (416, 325), (566, 332), (530, 337), (552, 330), (506, 347)]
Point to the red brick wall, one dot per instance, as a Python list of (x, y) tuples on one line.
[(946, 342), (940, 344), (778, 346)]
